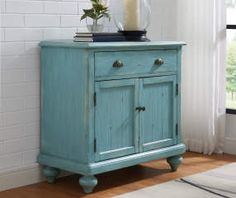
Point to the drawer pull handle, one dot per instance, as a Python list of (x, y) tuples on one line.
[(140, 108), (159, 61), (118, 64)]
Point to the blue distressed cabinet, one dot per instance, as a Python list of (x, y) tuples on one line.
[(106, 106)]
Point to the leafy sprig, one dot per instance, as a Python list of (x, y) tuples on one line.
[(97, 11)]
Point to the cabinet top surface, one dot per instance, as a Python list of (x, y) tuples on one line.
[(72, 44)]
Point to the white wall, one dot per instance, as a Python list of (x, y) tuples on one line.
[(163, 20), (23, 24)]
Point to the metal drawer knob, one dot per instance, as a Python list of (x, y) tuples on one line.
[(159, 61), (118, 64)]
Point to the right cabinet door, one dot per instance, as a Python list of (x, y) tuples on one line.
[(158, 122)]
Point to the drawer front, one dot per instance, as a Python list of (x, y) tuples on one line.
[(135, 62)]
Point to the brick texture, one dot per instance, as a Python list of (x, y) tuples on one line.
[(23, 24)]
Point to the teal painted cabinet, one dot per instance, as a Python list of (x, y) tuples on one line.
[(106, 106)]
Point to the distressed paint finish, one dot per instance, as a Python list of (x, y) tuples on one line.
[(89, 120), (63, 107), (104, 60), (158, 121), (174, 162), (51, 174), (115, 119), (88, 182)]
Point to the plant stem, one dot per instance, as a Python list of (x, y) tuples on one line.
[(95, 22)]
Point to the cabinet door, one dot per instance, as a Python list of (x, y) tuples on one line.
[(158, 121), (116, 118)]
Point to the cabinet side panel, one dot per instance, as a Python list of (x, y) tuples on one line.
[(64, 103)]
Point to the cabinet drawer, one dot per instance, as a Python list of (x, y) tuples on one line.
[(135, 62)]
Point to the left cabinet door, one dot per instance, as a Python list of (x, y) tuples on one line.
[(116, 128)]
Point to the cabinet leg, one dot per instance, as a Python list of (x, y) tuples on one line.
[(88, 182), (51, 173), (174, 162)]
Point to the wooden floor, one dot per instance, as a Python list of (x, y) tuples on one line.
[(122, 181)]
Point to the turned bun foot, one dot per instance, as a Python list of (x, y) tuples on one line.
[(88, 183), (174, 162), (51, 174)]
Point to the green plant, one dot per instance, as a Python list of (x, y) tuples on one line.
[(231, 68), (97, 11)]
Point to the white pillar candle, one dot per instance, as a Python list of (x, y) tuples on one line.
[(131, 15)]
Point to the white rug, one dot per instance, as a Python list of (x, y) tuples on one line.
[(216, 183)]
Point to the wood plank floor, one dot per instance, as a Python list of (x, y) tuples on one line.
[(122, 181)]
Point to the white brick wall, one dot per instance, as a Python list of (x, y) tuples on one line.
[(23, 24)]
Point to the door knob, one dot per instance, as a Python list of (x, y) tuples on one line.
[(140, 108)]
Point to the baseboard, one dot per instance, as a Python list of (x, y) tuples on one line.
[(230, 146), (23, 177)]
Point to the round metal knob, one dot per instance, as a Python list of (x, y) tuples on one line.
[(118, 64), (140, 108), (159, 61)]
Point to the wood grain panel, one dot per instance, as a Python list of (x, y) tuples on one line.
[(114, 119), (159, 120), (135, 62), (63, 107)]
